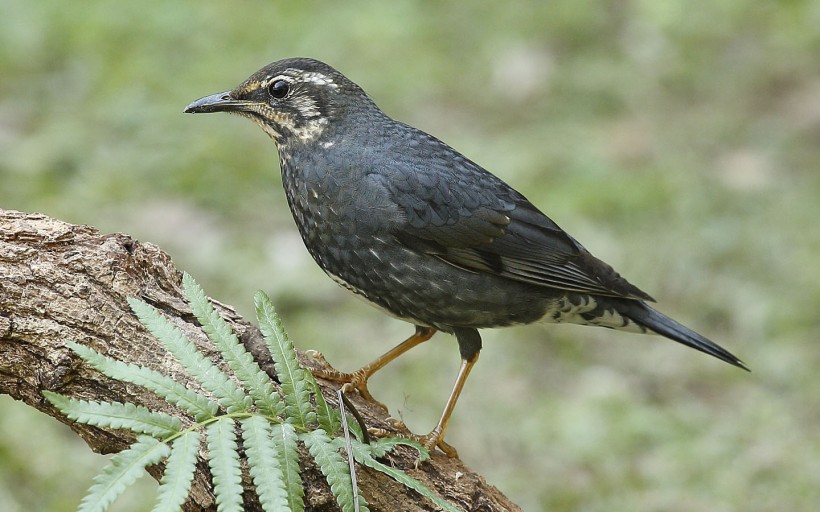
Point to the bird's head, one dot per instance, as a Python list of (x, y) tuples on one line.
[(291, 99)]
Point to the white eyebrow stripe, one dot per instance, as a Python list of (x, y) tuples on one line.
[(317, 78)]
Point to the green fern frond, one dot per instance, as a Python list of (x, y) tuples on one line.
[(171, 391), (179, 473), (247, 370), (295, 381), (196, 364), (333, 466), (124, 468), (223, 459), (329, 418), (361, 452), (116, 415), (271, 448), (264, 463), (284, 442), (381, 445)]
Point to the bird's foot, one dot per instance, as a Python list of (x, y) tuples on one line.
[(435, 440), (351, 381), (431, 441)]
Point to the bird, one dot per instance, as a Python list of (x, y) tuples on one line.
[(420, 231)]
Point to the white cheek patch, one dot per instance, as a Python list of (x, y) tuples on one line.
[(307, 107), (310, 130)]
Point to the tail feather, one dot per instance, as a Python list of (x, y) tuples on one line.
[(659, 323)]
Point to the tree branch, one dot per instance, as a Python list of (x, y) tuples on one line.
[(61, 282)]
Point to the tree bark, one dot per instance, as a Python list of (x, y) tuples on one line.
[(61, 282)]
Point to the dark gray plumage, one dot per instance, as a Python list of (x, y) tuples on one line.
[(399, 217)]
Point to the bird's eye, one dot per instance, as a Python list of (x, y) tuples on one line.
[(279, 89)]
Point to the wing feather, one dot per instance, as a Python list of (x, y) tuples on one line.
[(511, 245), (456, 211)]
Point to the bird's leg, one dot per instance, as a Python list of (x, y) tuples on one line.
[(436, 437), (469, 344), (358, 379)]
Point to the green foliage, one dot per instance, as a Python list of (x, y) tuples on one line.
[(257, 383), (179, 472), (263, 461), (271, 426), (229, 394), (365, 457), (284, 441), (293, 377), (199, 406), (333, 466), (116, 415), (224, 462), (124, 469)]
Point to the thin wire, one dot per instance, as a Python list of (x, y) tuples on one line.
[(349, 448)]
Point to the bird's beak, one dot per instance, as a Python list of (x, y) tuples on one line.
[(219, 102)]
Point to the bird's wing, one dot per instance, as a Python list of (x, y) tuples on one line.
[(476, 222)]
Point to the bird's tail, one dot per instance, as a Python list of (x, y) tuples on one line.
[(642, 314)]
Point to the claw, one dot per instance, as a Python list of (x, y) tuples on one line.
[(396, 423), (319, 359), (430, 441), (351, 381), (435, 440), (358, 379)]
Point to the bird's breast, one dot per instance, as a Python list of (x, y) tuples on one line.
[(337, 210)]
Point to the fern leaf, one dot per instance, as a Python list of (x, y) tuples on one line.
[(223, 459), (124, 468), (381, 445), (287, 451), (246, 369), (361, 452), (116, 415), (179, 473), (294, 379), (173, 392), (329, 418), (198, 366), (333, 466), (264, 464)]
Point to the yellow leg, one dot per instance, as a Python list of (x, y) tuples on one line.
[(436, 437), (358, 379)]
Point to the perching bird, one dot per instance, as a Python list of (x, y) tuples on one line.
[(399, 217)]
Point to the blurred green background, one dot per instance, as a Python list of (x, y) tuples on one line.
[(678, 140)]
